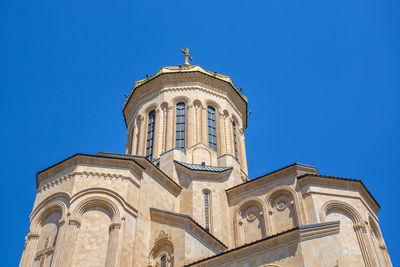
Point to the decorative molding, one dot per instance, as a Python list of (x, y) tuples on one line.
[(114, 226), (74, 222), (162, 236), (94, 175), (32, 236)]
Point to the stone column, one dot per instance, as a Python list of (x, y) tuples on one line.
[(134, 137), (129, 136), (29, 250), (221, 134), (112, 246), (204, 126), (142, 137), (70, 236), (190, 126), (170, 134), (242, 151), (365, 248), (197, 120), (60, 244), (228, 134), (164, 129)]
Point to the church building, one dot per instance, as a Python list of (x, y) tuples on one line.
[(181, 194)]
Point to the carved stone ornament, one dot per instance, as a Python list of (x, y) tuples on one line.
[(281, 204), (161, 236), (251, 217)]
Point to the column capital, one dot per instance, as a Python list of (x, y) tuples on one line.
[(32, 236), (114, 226), (74, 222)]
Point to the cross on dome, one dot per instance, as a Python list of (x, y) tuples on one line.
[(187, 56)]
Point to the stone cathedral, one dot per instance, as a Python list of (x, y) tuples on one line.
[(181, 195)]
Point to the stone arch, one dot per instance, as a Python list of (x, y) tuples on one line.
[(180, 99), (249, 221), (98, 202), (58, 202), (150, 107), (47, 224), (337, 205), (162, 247), (201, 154), (236, 120), (197, 109), (283, 209), (214, 104), (353, 232)]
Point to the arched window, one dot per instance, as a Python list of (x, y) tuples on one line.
[(207, 209), (180, 126), (234, 139), (212, 133), (164, 261), (150, 135)]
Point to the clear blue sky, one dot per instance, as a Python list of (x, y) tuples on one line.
[(322, 79)]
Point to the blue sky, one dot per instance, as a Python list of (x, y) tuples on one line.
[(322, 79)]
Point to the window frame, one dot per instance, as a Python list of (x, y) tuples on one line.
[(180, 125), (207, 209), (235, 145), (212, 128), (150, 134)]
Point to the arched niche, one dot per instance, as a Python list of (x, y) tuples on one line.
[(282, 211), (97, 238), (162, 252), (381, 255), (250, 223), (48, 233), (352, 234)]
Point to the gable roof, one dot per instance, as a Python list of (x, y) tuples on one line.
[(270, 173), (342, 179), (192, 222), (203, 168)]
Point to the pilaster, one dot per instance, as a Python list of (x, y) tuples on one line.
[(29, 250), (170, 135), (113, 243), (191, 126), (60, 244), (71, 234)]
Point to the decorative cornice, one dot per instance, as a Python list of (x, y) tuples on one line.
[(93, 175)]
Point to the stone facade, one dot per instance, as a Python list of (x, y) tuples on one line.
[(181, 196)]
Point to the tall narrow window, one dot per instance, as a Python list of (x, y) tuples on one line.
[(180, 125), (234, 139), (150, 135), (164, 261), (212, 136), (207, 209)]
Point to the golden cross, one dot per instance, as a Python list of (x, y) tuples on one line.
[(187, 56)]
